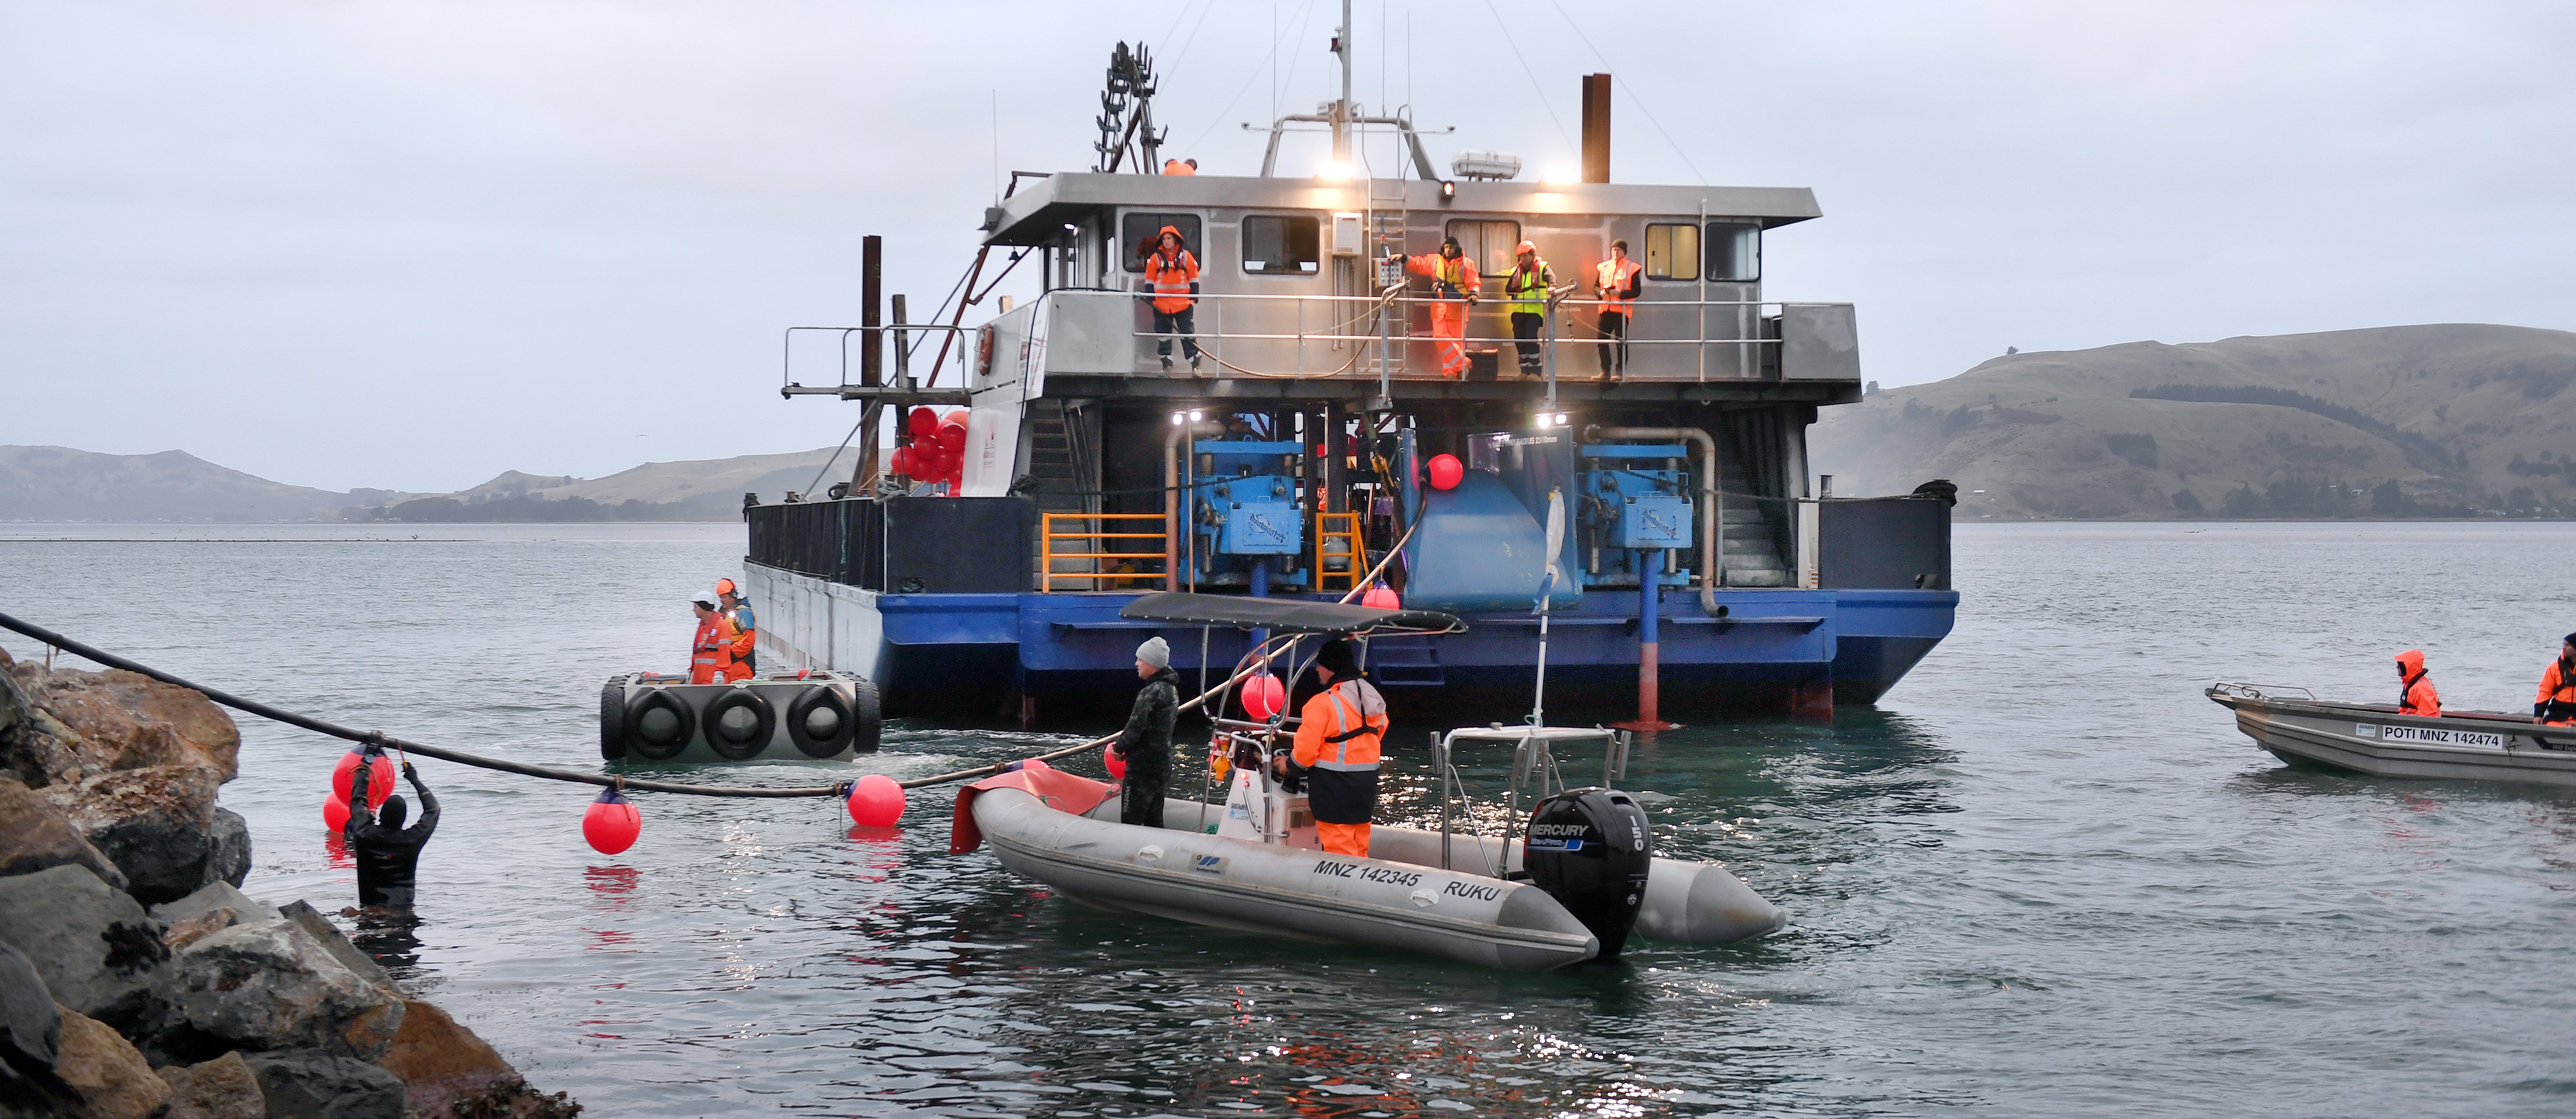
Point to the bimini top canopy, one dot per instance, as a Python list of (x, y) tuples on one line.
[(1288, 614)]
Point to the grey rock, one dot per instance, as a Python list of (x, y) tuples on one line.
[(156, 823), (318, 1085), (269, 985), (229, 862), (223, 1088), (210, 897), (34, 1025), (84, 939), (337, 943), (34, 835)]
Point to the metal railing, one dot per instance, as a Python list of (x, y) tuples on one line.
[(1098, 551)]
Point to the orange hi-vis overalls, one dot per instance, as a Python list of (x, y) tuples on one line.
[(2556, 703), (738, 643), (2415, 694), (1452, 281), (1337, 743), (710, 651)]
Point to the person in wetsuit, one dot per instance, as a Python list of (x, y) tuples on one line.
[(1145, 744), (387, 852)]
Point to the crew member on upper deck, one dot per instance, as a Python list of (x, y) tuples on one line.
[(2556, 704), (1619, 284), (1180, 166), (1525, 294), (1337, 744), (2415, 694), (1454, 287), (1173, 275)]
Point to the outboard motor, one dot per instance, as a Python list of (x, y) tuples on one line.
[(1591, 849)]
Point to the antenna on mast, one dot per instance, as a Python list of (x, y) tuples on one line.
[(1342, 108)]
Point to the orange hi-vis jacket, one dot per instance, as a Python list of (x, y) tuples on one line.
[(2556, 703), (1619, 286), (1171, 278), (2415, 695), (1340, 727), (738, 644), (710, 651), (1450, 279)]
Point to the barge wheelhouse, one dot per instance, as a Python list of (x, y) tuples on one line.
[(1302, 451)]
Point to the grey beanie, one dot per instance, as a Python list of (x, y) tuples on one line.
[(1156, 652)]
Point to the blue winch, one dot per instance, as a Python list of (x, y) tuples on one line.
[(1245, 506), (1635, 513)]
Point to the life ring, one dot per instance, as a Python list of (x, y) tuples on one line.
[(866, 715), (659, 725), (729, 738), (612, 720), (819, 705)]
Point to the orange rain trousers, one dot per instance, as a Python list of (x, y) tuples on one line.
[(1343, 839), (1449, 336)]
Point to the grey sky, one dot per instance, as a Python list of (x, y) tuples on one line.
[(412, 245)]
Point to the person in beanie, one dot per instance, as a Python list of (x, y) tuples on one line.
[(1146, 744), (1337, 750)]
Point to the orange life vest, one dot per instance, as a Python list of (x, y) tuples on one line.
[(1340, 728), (1450, 279), (1617, 276), (1170, 278), (2557, 698), (710, 652), (2415, 694)]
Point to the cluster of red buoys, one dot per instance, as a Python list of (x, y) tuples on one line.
[(934, 449)]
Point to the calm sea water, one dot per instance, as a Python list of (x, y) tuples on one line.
[(2044, 877)]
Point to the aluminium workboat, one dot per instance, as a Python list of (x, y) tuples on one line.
[(2374, 739)]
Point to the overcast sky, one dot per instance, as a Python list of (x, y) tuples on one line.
[(414, 245)]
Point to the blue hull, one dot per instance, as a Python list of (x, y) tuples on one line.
[(979, 651)]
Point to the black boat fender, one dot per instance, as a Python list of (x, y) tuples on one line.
[(818, 721), (658, 725), (739, 737), (866, 714), (612, 720)]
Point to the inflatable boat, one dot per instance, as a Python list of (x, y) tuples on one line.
[(1564, 883), (2295, 726), (784, 716)]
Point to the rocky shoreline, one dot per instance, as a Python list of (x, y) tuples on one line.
[(137, 980)]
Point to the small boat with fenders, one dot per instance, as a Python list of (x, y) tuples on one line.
[(1565, 881), (2296, 726)]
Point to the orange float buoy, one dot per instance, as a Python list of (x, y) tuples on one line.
[(1117, 763), (1381, 597), (611, 823)]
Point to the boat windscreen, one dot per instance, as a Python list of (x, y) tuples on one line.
[(1286, 614)]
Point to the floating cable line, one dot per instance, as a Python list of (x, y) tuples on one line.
[(1633, 95), (1532, 75)]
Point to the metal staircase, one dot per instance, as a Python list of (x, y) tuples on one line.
[(1745, 534)]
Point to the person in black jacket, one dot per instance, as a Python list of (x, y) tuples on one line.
[(387, 852), (1146, 744)]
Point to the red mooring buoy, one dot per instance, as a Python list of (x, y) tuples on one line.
[(876, 801), (1382, 597), (1117, 764), (611, 823), (1263, 695), (1446, 471)]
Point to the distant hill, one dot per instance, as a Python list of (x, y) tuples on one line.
[(2442, 420), (63, 484)]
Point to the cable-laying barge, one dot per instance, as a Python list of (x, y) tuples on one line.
[(1062, 471)]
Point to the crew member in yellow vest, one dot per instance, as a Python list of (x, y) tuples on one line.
[(1525, 294), (1454, 287), (1337, 747), (1617, 286)]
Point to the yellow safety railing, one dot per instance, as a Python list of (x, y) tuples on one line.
[(1354, 559), (1096, 550)]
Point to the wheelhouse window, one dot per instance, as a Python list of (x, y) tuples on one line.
[(1672, 252), (1488, 243), (1139, 229), (1734, 251), (1280, 245)]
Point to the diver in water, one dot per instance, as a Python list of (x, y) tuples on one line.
[(387, 852)]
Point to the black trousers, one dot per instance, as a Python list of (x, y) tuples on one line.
[(1141, 802), (1166, 323), (1614, 342), (1525, 328)]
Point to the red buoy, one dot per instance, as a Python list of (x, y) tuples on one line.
[(380, 780), (611, 823), (923, 422), (1445, 472), (335, 813), (1116, 762), (1381, 597), (901, 461), (876, 801), (1263, 696)]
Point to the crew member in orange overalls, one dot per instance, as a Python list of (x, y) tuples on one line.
[(1617, 286), (1173, 276), (711, 650), (1337, 747), (2415, 694), (2556, 704), (1454, 287), (743, 628)]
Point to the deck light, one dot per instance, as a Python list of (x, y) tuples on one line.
[(1560, 176), (1334, 172), (1176, 419), (1448, 190), (1196, 415)]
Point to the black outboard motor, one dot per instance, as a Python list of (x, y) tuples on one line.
[(1591, 849)]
